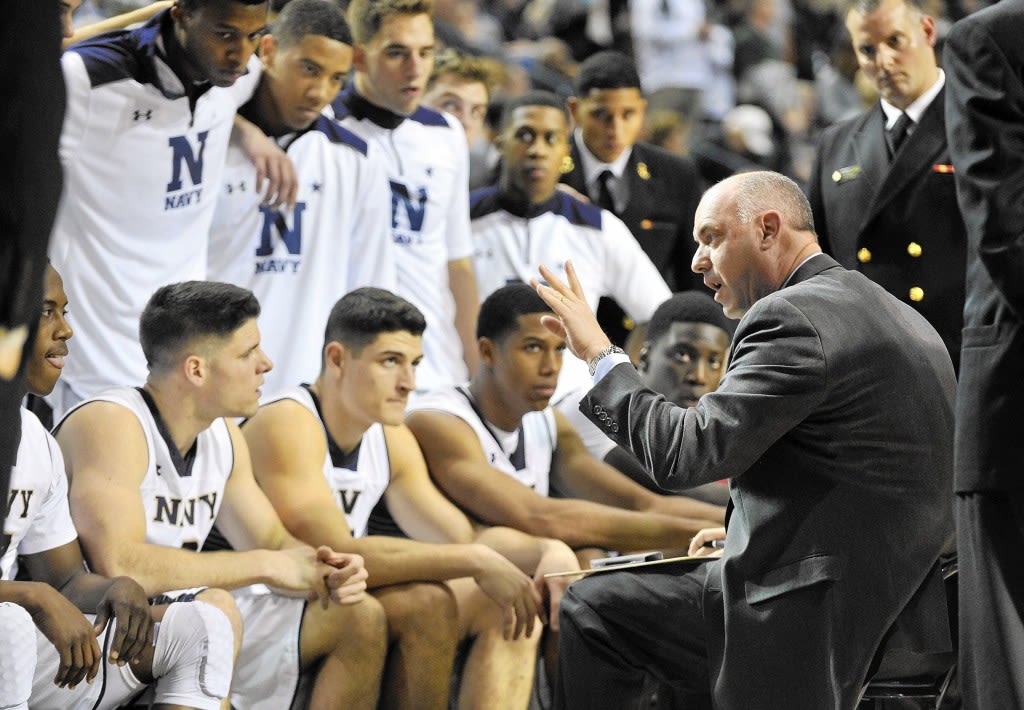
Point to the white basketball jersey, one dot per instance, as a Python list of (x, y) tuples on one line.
[(181, 496), (527, 459), (357, 479), (428, 170), (38, 518), (142, 168), (609, 261), (299, 263)]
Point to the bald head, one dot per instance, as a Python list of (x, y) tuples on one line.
[(752, 231)]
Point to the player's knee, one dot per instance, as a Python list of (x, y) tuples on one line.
[(363, 625), (17, 656), (223, 601), (194, 656), (423, 610)]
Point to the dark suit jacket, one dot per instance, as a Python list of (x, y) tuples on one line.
[(869, 214), (834, 423), (984, 61), (664, 190)]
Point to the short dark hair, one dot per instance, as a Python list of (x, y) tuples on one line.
[(367, 16), (500, 310), (361, 315), (179, 314), (606, 70), (299, 18), (687, 307), (533, 98)]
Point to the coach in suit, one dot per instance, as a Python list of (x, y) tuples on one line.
[(884, 200), (985, 117), (654, 192), (834, 423)]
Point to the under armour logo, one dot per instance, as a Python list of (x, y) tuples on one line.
[(239, 186), (138, 114), (158, 471)]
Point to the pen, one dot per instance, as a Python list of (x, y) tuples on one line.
[(714, 544)]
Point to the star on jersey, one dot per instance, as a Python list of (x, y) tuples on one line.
[(317, 186)]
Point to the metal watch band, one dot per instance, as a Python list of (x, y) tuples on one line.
[(592, 364)]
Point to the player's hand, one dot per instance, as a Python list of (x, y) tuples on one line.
[(126, 602), (558, 557), (512, 590), (70, 633), (275, 174), (701, 545), (346, 583), (574, 321)]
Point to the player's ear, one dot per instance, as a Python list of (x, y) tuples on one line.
[(335, 357), (358, 57), (268, 48), (487, 349), (644, 359), (194, 367)]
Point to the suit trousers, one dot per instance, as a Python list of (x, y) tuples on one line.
[(620, 628), (990, 537)]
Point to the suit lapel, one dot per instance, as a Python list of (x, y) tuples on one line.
[(915, 159), (871, 151)]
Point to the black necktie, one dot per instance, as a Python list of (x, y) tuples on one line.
[(604, 194), (898, 133)]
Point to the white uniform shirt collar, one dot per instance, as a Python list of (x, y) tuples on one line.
[(918, 107), (592, 167)]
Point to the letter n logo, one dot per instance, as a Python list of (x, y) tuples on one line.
[(414, 210), (183, 154), (274, 220)]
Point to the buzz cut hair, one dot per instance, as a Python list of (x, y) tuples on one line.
[(300, 18), (180, 315), (361, 315), (366, 17), (758, 192), (608, 69), (466, 67), (533, 98), (687, 307), (866, 7), (499, 313)]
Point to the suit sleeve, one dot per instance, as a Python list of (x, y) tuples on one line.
[(776, 378), (985, 125)]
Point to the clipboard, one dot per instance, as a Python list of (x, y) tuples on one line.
[(631, 565)]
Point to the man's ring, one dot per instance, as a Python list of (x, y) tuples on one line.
[(562, 298)]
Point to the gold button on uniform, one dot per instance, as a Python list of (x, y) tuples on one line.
[(914, 249), (864, 255), (916, 294)]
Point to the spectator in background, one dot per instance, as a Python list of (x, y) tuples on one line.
[(653, 192), (882, 186), (461, 84)]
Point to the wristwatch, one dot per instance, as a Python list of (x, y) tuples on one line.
[(592, 363)]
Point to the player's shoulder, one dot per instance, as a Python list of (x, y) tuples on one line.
[(116, 56), (429, 117), (339, 135)]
